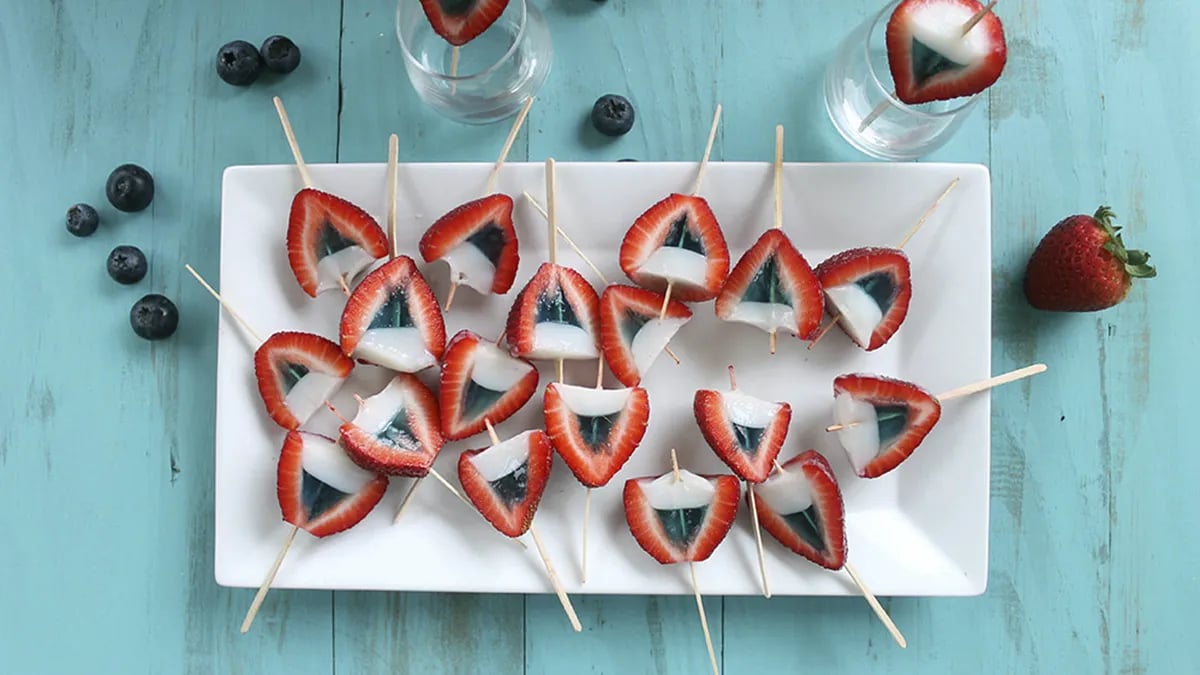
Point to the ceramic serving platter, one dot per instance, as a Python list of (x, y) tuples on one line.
[(919, 530)]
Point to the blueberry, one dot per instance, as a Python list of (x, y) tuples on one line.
[(154, 317), (280, 54), (239, 63), (130, 188), (82, 220), (127, 264), (612, 115)]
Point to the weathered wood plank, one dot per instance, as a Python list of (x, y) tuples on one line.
[(107, 439)]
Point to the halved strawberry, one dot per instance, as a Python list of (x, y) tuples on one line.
[(931, 59), (801, 506), (296, 373), (328, 239), (884, 420), (506, 481), (631, 336), (554, 316), (319, 489), (678, 239), (397, 431), (479, 243), (745, 432), (393, 320), (481, 382), (460, 21), (595, 430), (680, 519), (773, 288), (868, 290)]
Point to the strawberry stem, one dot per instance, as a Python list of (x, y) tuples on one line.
[(1136, 262)]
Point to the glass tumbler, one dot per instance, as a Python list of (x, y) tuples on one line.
[(488, 78), (861, 100)]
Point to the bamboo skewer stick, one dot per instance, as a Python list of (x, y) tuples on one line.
[(712, 656), (261, 595), (393, 153)]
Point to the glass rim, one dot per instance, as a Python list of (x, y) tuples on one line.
[(890, 95), (445, 77)]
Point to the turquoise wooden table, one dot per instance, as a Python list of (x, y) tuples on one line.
[(106, 441)]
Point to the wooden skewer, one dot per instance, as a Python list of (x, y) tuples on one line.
[(455, 54), (567, 238), (984, 11), (224, 305), (886, 102), (494, 174), (450, 295), (301, 165), (393, 154), (261, 595), (778, 223), (874, 603), (305, 176), (762, 561), (712, 136), (838, 427), (903, 242), (662, 312), (552, 236), (866, 593), (712, 656), (563, 598), (587, 497), (984, 385)]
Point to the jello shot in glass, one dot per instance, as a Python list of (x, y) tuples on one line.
[(490, 75), (860, 97)]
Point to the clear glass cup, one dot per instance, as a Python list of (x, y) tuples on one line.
[(861, 101), (490, 77)]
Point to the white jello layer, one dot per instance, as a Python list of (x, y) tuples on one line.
[(860, 438), (677, 264), (494, 368), (785, 493), (592, 402), (376, 413), (309, 394), (560, 341), (400, 349), (939, 26), (503, 458), (345, 264), (768, 316), (325, 461), (470, 267), (747, 411), (690, 491), (651, 339), (859, 312)]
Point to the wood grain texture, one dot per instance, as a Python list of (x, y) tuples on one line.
[(106, 440)]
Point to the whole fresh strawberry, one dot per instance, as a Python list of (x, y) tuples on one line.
[(1081, 265)]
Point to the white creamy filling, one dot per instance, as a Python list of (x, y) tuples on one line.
[(769, 316), (592, 402), (939, 26), (690, 491), (309, 394), (859, 312), (560, 341), (677, 264), (493, 368), (861, 440), (401, 349), (470, 267), (503, 458), (376, 412), (785, 493), (325, 461), (651, 339), (747, 411), (346, 264)]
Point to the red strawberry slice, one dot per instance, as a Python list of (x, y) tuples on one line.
[(745, 432), (802, 508), (328, 239), (678, 239), (631, 336), (884, 420), (460, 21), (774, 288), (680, 519), (506, 481), (397, 431), (320, 490), (868, 289), (296, 373), (554, 316), (481, 382), (479, 243), (931, 59), (393, 320), (595, 430)]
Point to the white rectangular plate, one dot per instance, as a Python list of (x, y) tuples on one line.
[(920, 530)]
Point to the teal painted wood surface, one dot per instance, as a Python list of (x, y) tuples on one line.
[(106, 441)]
